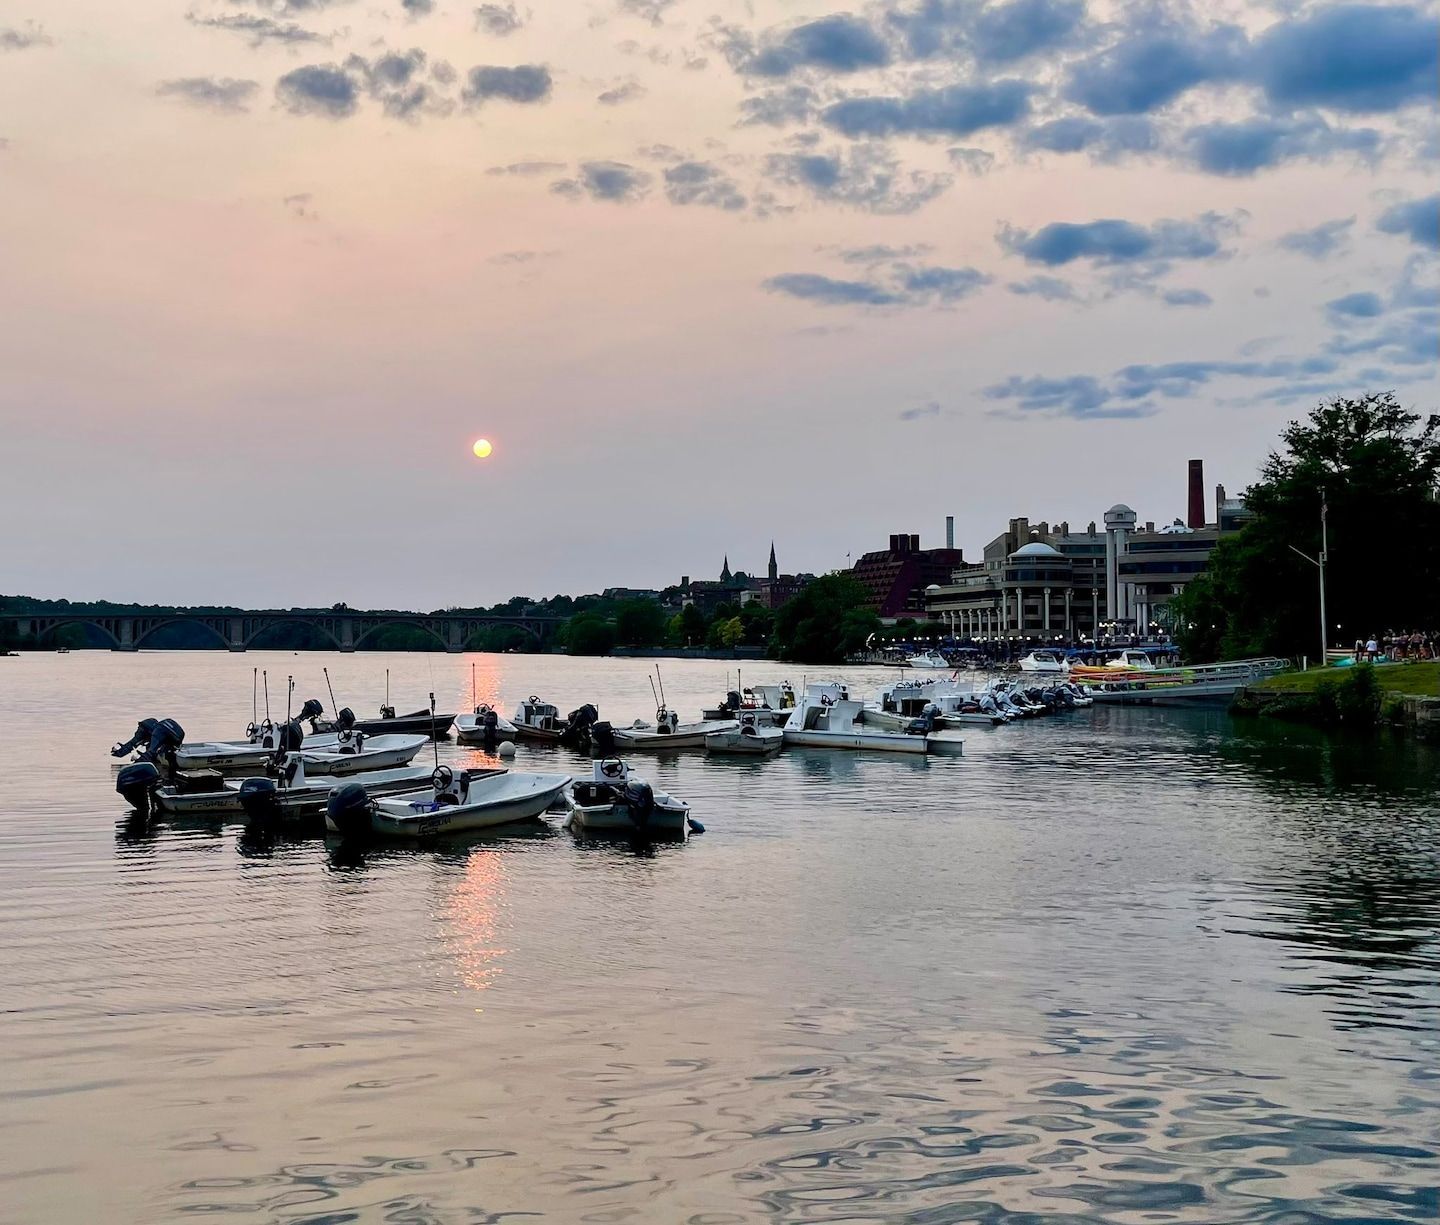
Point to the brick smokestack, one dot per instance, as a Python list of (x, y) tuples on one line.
[(1196, 514)]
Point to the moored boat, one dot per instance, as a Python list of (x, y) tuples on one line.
[(667, 732), (614, 802), (753, 735), (486, 726), (827, 718), (457, 802), (1046, 661)]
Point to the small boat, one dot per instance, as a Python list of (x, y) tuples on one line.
[(1045, 661), (486, 726), (613, 802), (667, 732), (931, 661), (416, 723), (955, 702), (827, 718), (456, 802), (537, 720), (355, 753), (755, 735)]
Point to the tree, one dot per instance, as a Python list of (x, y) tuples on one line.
[(1375, 467), (827, 621), (639, 623), (588, 633), (688, 627)]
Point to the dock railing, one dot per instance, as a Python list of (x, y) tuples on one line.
[(1234, 673)]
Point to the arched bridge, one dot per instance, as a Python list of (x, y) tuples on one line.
[(236, 631)]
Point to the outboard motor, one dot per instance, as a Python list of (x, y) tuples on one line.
[(166, 737), (344, 719), (602, 739), (143, 731), (312, 710), (289, 737), (136, 784), (260, 798), (348, 809), (577, 727), (640, 799), (732, 700)]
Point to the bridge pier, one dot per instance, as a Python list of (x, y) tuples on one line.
[(126, 634), (236, 636), (454, 638), (347, 635)]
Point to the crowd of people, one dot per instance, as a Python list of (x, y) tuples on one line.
[(1393, 646)]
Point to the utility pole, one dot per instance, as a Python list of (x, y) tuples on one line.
[(1319, 562)]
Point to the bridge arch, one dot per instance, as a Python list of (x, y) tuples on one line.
[(411, 623), (52, 624), (141, 635), (265, 625)]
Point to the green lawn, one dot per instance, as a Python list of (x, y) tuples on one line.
[(1421, 679)]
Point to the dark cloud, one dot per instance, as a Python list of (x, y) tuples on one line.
[(1077, 396), (258, 30), (778, 107), (626, 91), (614, 182), (1153, 65), (934, 284), (1186, 297), (217, 93), (1003, 33), (827, 291), (1106, 139), (1356, 306), (864, 176), (1111, 241), (1417, 220), (1320, 242), (522, 83), (527, 168), (319, 89), (1350, 57), (32, 35), (1255, 144), (415, 9), (932, 409), (1047, 288), (955, 110), (839, 44), (702, 183), (497, 19)]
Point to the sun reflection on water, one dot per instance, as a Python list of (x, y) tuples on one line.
[(474, 913)]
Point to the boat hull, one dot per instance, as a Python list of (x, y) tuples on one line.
[(692, 737), (872, 742), (756, 744), (419, 817), (666, 821), (381, 757), (294, 801)]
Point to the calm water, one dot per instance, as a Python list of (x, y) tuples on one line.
[(1123, 966)]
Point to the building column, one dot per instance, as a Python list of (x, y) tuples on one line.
[(1095, 613), (1045, 610), (1069, 615)]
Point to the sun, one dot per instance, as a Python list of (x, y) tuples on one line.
[(482, 448)]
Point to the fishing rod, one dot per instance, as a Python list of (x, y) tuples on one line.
[(654, 697), (290, 690), (662, 686), (473, 702), (254, 695), (265, 676), (334, 707), (434, 740)]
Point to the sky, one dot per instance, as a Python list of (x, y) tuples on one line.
[(706, 273)]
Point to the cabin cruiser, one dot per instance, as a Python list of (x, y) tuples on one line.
[(929, 660), (827, 718), (755, 734), (1045, 661), (613, 801), (486, 726), (537, 720), (667, 732), (456, 802)]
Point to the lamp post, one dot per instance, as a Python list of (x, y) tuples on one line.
[(1319, 563)]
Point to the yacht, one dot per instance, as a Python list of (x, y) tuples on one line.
[(1052, 662), (931, 661)]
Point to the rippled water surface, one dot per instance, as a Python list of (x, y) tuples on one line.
[(1119, 966)]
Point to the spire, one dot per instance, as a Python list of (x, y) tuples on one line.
[(774, 566), (725, 575)]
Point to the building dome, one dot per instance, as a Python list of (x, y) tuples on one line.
[(1120, 516), (1037, 548), (1119, 509)]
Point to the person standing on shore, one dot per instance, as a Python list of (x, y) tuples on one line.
[(1372, 649)]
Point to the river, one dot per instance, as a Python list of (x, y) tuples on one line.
[(1117, 966)]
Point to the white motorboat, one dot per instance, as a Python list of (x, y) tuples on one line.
[(827, 718), (957, 704), (614, 802), (355, 753), (456, 802), (1045, 661), (778, 700), (754, 735), (247, 755), (931, 661), (537, 720), (667, 732), (486, 726)]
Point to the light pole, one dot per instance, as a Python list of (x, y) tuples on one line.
[(1319, 563)]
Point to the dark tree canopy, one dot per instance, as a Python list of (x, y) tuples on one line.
[(827, 621)]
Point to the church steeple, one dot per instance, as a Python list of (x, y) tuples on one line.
[(774, 565), (725, 575)]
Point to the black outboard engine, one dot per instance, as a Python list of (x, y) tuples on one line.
[(311, 710), (289, 737), (260, 798), (732, 700), (577, 727), (387, 712), (348, 809), (602, 740), (166, 737), (143, 731), (490, 726), (136, 784), (640, 799), (344, 719)]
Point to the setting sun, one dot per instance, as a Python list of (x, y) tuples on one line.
[(482, 448)]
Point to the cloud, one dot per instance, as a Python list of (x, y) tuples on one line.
[(1108, 139), (218, 93), (299, 204), (827, 291), (523, 83), (932, 409), (394, 80), (499, 20), (1321, 242), (1186, 297), (1077, 396), (258, 30), (526, 168), (1356, 306), (1047, 288), (415, 9), (626, 91), (1006, 32), (778, 107), (1417, 220), (865, 177), (1350, 57), (941, 284), (32, 35), (839, 43), (652, 11), (318, 89), (1153, 66), (614, 182), (882, 253), (1243, 148), (955, 110), (702, 183), (1111, 241), (971, 161)]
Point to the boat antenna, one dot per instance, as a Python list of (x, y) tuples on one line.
[(289, 690), (387, 686), (473, 702), (661, 680), (254, 695), (334, 707), (265, 676), (434, 740), (653, 695)]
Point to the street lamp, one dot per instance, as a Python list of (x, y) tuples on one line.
[(1319, 563)]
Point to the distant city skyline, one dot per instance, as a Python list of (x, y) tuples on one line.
[(705, 274)]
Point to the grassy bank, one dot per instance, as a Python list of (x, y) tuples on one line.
[(1404, 679), (1405, 696)]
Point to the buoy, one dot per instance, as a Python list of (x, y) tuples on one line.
[(506, 750)]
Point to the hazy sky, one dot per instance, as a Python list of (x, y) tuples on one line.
[(706, 273)]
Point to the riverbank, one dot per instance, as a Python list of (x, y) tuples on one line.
[(1403, 696)]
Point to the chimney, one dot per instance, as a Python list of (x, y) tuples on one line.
[(1150, 526), (1092, 527), (949, 531), (914, 543), (1219, 499), (1196, 514)]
